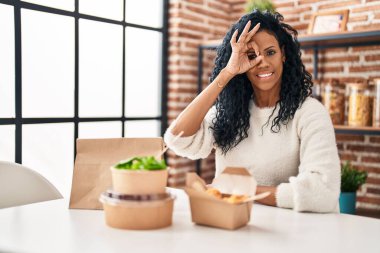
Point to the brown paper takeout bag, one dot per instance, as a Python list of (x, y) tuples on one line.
[(93, 160)]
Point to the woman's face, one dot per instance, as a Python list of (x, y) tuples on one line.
[(266, 76)]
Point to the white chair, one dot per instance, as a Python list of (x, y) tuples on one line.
[(20, 185)]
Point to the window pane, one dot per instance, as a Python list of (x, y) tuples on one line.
[(7, 62), (143, 73), (59, 4), (93, 130), (143, 128), (100, 69), (7, 143), (147, 12), (47, 65), (49, 149), (112, 9)]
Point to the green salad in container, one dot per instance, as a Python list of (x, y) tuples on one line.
[(141, 163)]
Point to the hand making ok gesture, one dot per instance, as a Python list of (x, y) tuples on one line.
[(245, 53)]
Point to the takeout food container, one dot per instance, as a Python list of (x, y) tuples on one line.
[(137, 212), (216, 212), (139, 181)]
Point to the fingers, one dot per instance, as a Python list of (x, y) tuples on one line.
[(252, 32), (253, 46), (233, 38), (255, 61), (256, 48), (243, 35)]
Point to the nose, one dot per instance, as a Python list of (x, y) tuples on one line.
[(263, 64)]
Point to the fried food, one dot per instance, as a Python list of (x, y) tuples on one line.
[(233, 199), (214, 192)]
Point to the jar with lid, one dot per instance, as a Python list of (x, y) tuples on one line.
[(376, 104), (333, 100), (359, 107)]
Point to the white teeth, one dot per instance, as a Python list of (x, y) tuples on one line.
[(265, 75)]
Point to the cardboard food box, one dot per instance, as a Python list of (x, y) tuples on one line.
[(209, 210), (139, 181)]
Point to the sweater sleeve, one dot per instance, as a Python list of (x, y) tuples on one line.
[(317, 186), (195, 146)]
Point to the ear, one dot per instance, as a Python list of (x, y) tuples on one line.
[(283, 53)]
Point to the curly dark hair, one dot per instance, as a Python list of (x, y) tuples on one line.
[(231, 123)]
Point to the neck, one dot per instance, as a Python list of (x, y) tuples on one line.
[(266, 98)]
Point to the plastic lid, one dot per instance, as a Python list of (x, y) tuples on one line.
[(153, 201), (135, 197)]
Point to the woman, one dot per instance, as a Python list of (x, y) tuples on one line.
[(257, 113)]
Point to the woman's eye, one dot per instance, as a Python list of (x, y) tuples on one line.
[(252, 56), (271, 52)]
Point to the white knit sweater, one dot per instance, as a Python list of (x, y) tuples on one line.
[(301, 160)]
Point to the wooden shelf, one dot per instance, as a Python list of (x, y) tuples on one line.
[(324, 40), (342, 39), (357, 130)]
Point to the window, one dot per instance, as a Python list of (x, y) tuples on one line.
[(77, 69)]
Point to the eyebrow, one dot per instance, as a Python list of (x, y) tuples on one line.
[(268, 48), (252, 50)]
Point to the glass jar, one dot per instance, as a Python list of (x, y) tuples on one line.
[(333, 100), (359, 108), (376, 104)]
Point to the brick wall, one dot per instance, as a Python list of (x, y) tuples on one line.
[(191, 22)]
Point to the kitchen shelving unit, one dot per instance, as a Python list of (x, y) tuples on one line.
[(315, 42)]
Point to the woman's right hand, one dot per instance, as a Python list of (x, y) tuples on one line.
[(239, 61)]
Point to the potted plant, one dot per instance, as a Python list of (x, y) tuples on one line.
[(261, 5), (351, 180), (140, 175)]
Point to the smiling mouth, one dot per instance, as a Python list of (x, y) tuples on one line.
[(267, 75)]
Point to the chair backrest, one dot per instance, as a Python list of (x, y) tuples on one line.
[(20, 185)]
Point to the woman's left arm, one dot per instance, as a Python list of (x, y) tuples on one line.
[(317, 186)]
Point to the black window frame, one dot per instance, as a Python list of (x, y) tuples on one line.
[(18, 121)]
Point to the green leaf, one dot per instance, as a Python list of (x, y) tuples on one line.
[(126, 164), (261, 5), (351, 178), (141, 163)]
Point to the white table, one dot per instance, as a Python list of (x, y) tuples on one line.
[(51, 227)]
